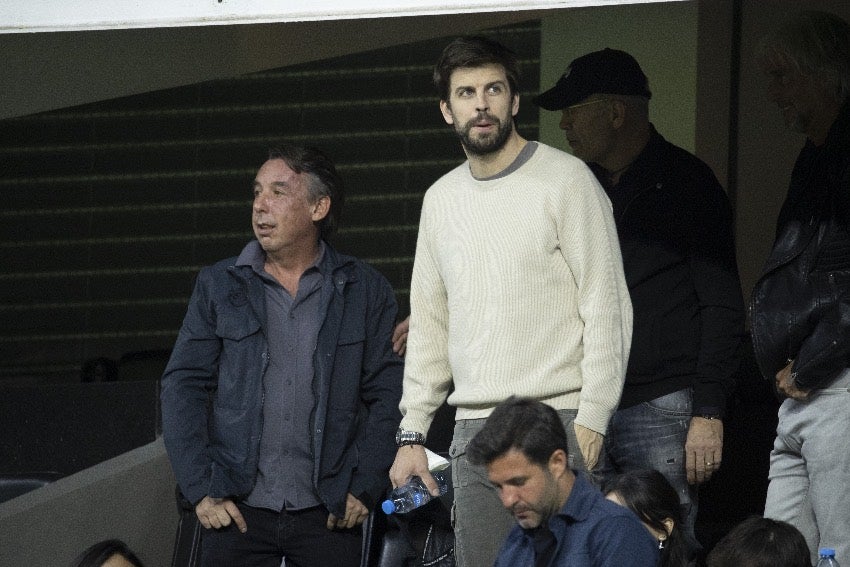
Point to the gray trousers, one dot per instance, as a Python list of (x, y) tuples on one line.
[(810, 468), (481, 523)]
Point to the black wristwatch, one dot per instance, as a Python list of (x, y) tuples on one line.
[(403, 438)]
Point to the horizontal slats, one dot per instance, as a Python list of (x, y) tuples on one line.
[(110, 209)]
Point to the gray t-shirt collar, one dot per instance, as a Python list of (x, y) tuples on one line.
[(521, 159)]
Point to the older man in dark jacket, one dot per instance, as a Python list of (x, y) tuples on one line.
[(280, 401), (801, 302)]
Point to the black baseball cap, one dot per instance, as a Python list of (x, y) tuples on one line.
[(609, 71)]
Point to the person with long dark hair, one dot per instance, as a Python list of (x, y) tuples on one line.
[(108, 553), (649, 495)]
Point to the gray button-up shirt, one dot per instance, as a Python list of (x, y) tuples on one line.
[(285, 468)]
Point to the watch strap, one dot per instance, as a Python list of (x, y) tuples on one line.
[(404, 437)]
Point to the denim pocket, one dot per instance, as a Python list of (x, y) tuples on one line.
[(677, 404)]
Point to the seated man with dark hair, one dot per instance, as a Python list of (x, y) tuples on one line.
[(761, 542), (563, 519)]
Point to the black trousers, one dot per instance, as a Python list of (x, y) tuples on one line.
[(301, 537)]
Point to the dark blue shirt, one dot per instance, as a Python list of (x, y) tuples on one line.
[(590, 532)]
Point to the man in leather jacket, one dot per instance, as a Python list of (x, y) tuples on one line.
[(674, 223), (801, 303), (280, 401)]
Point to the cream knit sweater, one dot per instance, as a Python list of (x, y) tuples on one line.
[(517, 288)]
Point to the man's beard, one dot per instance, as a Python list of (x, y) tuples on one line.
[(488, 144)]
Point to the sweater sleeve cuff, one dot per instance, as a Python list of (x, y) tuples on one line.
[(594, 416), (417, 423), (708, 403)]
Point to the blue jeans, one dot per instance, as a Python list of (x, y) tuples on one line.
[(301, 536), (652, 435), (810, 468), (480, 522)]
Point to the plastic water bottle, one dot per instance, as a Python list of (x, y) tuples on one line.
[(827, 557), (412, 495)]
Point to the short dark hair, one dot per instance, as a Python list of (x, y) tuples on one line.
[(651, 497), (474, 51), (522, 424), (761, 542), (818, 43), (97, 554), (324, 179)]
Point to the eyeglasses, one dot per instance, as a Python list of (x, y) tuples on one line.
[(569, 112)]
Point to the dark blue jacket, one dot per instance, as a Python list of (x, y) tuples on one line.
[(212, 389), (590, 532)]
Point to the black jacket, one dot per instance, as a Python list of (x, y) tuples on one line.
[(675, 227), (801, 303)]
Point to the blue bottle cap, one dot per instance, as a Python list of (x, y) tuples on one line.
[(827, 551), (388, 506)]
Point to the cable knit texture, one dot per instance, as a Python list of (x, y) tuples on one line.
[(517, 288)]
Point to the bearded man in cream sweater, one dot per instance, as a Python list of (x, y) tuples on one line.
[(517, 288)]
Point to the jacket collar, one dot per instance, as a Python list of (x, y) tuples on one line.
[(580, 501), (577, 508), (644, 169), (252, 257), (336, 269), (802, 216), (838, 138)]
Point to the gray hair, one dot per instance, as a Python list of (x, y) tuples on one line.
[(817, 43)]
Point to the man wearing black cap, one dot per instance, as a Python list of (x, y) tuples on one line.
[(674, 223)]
